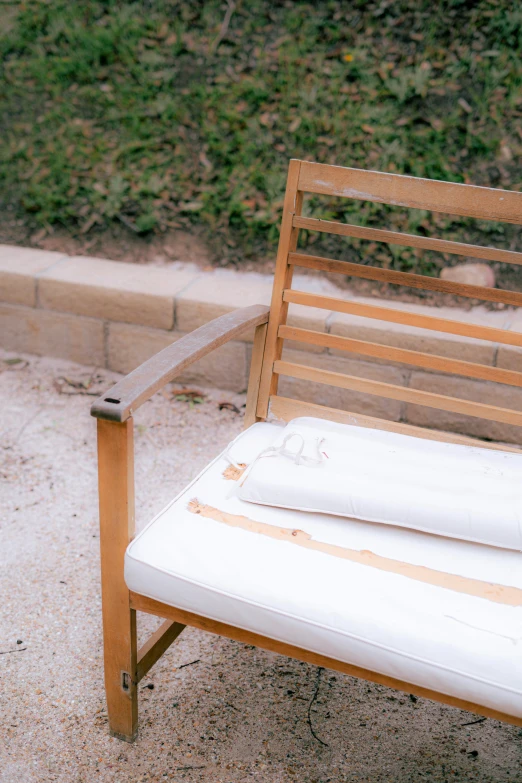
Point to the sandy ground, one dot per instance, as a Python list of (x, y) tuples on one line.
[(235, 713)]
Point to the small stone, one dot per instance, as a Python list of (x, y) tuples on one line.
[(472, 274)]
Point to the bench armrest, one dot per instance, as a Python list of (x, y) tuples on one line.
[(137, 387)]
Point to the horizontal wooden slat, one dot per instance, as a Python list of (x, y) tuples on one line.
[(405, 278), (414, 396), (403, 191), (390, 353), (287, 409), (408, 240), (407, 318)]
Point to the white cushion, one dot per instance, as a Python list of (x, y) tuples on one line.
[(449, 641), (447, 489)]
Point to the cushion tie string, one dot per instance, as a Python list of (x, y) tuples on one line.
[(284, 451)]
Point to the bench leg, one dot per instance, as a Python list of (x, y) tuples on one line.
[(116, 491), (121, 685)]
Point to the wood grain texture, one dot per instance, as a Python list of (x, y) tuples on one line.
[(391, 354), (409, 240), (286, 409), (399, 190), (254, 378), (138, 386), (156, 645), (402, 393), (290, 651), (116, 494), (406, 279), (282, 279), (433, 323)]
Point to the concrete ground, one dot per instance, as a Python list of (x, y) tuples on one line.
[(211, 709)]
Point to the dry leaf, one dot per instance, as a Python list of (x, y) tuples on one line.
[(464, 105), (228, 406), (193, 396)]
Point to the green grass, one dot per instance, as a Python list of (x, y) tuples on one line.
[(131, 112)]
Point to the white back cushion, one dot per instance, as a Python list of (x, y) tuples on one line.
[(447, 489)]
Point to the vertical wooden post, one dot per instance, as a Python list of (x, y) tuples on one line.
[(282, 279), (254, 379), (116, 490)]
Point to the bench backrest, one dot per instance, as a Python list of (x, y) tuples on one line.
[(393, 189)]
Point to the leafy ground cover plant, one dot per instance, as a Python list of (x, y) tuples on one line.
[(170, 114)]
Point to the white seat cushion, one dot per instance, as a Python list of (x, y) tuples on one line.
[(402, 624), (444, 488)]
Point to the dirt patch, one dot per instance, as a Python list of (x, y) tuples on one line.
[(115, 242)]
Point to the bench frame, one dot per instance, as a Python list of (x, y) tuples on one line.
[(125, 665)]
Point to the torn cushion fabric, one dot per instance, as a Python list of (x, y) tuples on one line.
[(446, 489)]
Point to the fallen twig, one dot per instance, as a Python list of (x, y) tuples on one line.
[(126, 222), (76, 387), (188, 664), (231, 7), (6, 652), (89, 224), (312, 700), (179, 769), (472, 722), (26, 424)]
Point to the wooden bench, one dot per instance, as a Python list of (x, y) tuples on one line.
[(125, 665)]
